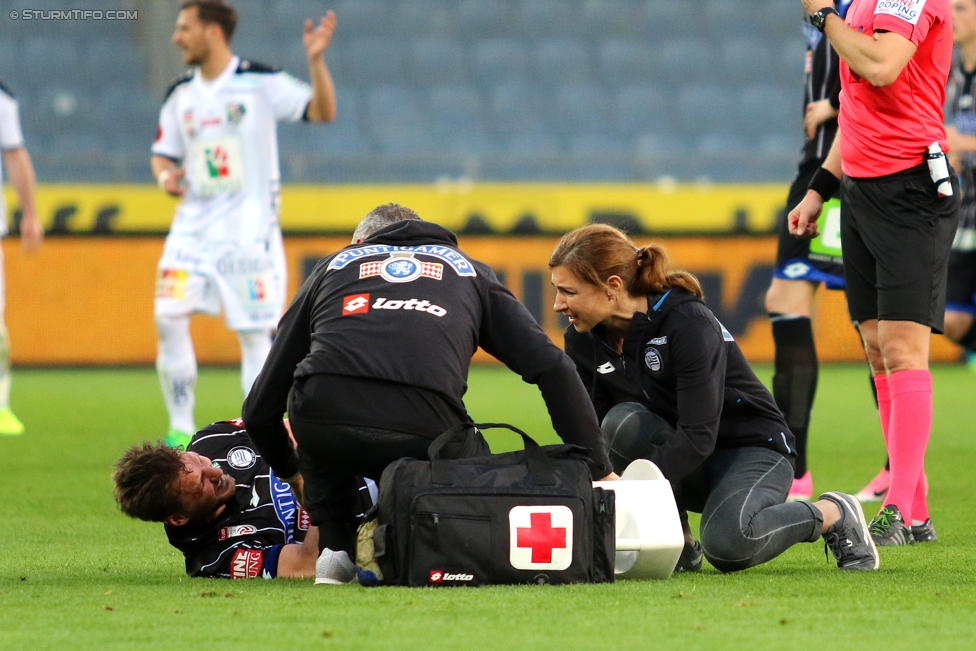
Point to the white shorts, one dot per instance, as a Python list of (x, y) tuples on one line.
[(248, 281)]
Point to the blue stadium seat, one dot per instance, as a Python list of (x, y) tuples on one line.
[(642, 107), (483, 17), (547, 18), (563, 61), (655, 142), (706, 108), (584, 109), (437, 61), (731, 16), (519, 118), (455, 110), (667, 19), (363, 17), (683, 60), (779, 19), (426, 17), (117, 61), (287, 17), (614, 17), (792, 54), (49, 57), (780, 108), (127, 105), (498, 61), (375, 61), (397, 120), (625, 61), (747, 60)]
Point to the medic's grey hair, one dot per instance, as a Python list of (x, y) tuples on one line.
[(380, 217)]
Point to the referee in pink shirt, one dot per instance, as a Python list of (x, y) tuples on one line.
[(899, 204)]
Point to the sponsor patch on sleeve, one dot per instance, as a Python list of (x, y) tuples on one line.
[(246, 564), (172, 283), (907, 10)]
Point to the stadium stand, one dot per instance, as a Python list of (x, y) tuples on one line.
[(572, 90)]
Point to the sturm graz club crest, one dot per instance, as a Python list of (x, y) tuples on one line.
[(402, 268), (652, 358), (241, 458)]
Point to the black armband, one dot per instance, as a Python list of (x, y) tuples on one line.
[(825, 184)]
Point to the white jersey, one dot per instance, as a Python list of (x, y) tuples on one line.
[(11, 137), (224, 131)]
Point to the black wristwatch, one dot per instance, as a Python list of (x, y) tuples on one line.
[(819, 19)]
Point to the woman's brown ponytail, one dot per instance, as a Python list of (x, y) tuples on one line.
[(596, 252)]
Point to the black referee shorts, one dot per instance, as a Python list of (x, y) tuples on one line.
[(897, 234)]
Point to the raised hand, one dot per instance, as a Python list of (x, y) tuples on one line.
[(316, 39)]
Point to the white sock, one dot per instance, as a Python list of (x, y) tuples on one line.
[(4, 366), (255, 345), (176, 365)]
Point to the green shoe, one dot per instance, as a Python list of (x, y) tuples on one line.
[(177, 439), (10, 424)]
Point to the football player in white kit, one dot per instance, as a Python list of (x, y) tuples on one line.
[(217, 148), (18, 163)]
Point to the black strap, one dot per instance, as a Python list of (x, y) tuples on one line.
[(540, 466)]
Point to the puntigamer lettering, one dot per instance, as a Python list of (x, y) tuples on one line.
[(453, 259)]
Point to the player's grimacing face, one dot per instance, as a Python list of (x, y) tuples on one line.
[(963, 21), (191, 37), (203, 487), (584, 304)]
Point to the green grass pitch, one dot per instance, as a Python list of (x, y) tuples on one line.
[(76, 574)]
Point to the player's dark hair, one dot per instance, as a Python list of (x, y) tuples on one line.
[(215, 12), (146, 482), (381, 217), (596, 252)]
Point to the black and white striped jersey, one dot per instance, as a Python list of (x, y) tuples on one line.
[(244, 542), (822, 81), (960, 112)]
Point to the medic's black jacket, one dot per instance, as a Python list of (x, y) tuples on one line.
[(245, 540), (408, 308), (684, 365)]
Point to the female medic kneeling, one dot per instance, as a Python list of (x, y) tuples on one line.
[(670, 384)]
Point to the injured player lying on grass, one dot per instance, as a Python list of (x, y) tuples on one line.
[(222, 505)]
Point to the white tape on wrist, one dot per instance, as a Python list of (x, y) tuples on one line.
[(162, 178)]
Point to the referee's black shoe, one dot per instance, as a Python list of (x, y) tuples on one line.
[(691, 557), (849, 538), (888, 529), (924, 532)]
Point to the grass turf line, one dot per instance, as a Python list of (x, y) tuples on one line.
[(75, 573)]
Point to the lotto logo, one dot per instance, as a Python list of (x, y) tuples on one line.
[(355, 304), (411, 304), (439, 576), (236, 532), (246, 563)]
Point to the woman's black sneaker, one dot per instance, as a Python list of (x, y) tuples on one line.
[(691, 558), (849, 539)]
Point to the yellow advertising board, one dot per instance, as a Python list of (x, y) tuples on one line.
[(536, 207), (88, 300)]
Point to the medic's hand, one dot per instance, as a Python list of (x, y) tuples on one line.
[(611, 477), (802, 220)]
